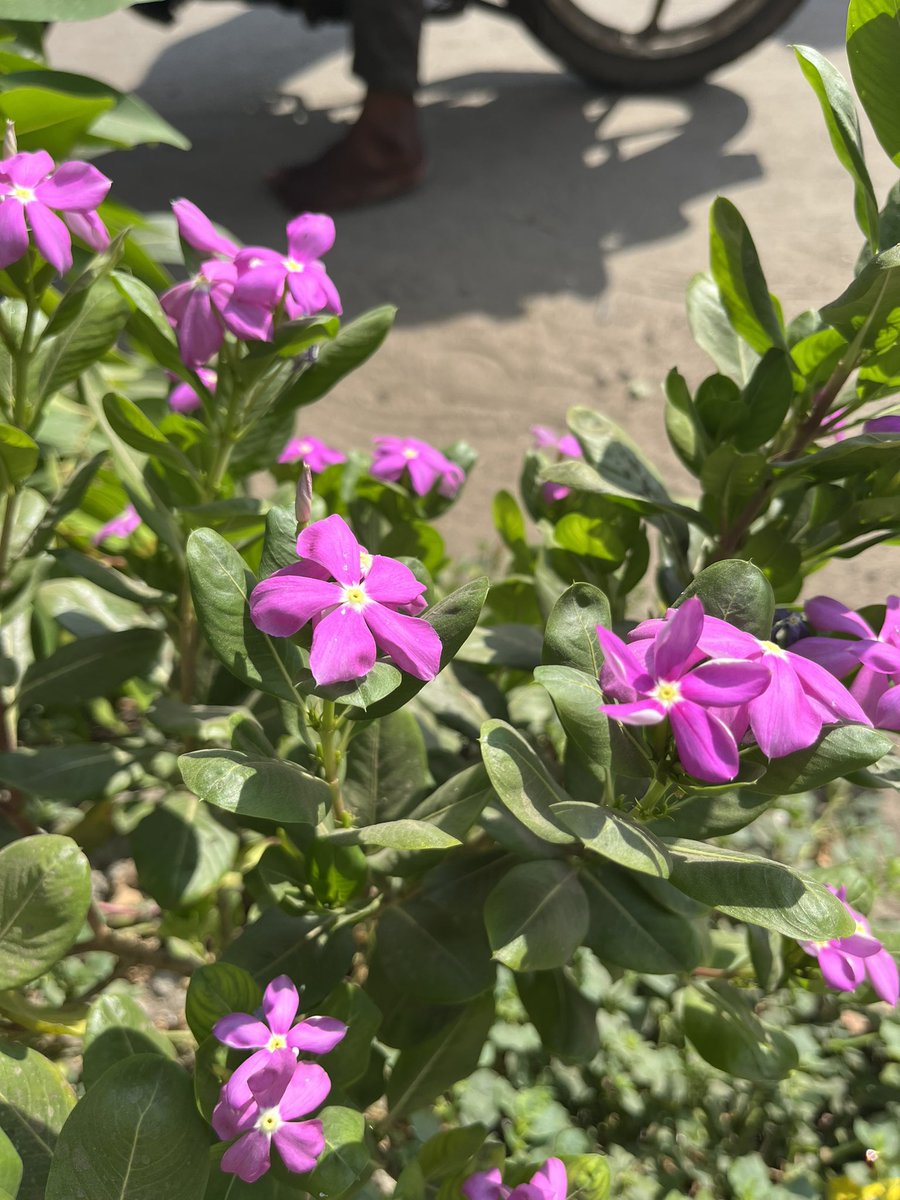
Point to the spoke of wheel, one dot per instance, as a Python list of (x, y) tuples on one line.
[(652, 25)]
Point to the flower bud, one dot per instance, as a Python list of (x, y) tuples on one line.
[(303, 502), (10, 145)]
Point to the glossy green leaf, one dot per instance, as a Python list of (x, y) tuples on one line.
[(221, 584), (255, 787), (346, 1158), (435, 951), (570, 639), (837, 752), (10, 1167), (156, 1144), (712, 814), (522, 781), (615, 836), (562, 1015), (46, 118), (510, 645), (404, 834), (349, 1059), (536, 916), (280, 541), (387, 769), (714, 333), (215, 991), (117, 1027), (576, 697), (72, 773), (18, 456), (766, 400), (724, 1029), (739, 277), (353, 345), (758, 891), (873, 49), (683, 427), (301, 947), (867, 305), (35, 1101), (45, 890), (85, 325), (181, 851), (456, 804), (89, 667), (137, 430), (737, 592)]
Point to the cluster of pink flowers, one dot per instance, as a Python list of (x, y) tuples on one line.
[(240, 290), (49, 204), (263, 1101), (846, 962), (562, 447), (715, 683), (425, 467), (549, 1182), (358, 603)]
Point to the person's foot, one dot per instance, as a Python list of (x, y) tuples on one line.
[(381, 157)]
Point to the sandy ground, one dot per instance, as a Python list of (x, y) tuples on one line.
[(545, 261)]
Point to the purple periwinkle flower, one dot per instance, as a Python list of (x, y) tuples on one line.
[(357, 603), (666, 683), (888, 424), (121, 526), (278, 1096), (33, 192), (423, 465), (311, 451), (565, 447), (275, 1030), (299, 276), (214, 300), (550, 1182), (184, 398), (199, 232), (845, 962)]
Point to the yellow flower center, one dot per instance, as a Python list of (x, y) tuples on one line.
[(667, 694), (277, 1042), (24, 194), (355, 596), (269, 1120), (772, 648), (410, 453), (293, 265)]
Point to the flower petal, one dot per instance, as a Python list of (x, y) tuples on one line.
[(27, 168), (834, 617), (317, 1035), (619, 658), (676, 640), (13, 232), (839, 970), (410, 641), (51, 236), (198, 230), (248, 1158), (280, 1003), (76, 186), (299, 1145), (887, 714), (782, 719), (269, 1084), (391, 582), (551, 1180), (836, 655), (229, 1121), (331, 543), (309, 236), (706, 746), (342, 647), (306, 1089), (882, 971), (721, 640), (241, 1031), (725, 682), (283, 603), (200, 333), (484, 1185), (237, 1089), (635, 712), (262, 284), (881, 657), (821, 684)]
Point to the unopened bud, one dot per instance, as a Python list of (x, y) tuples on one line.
[(303, 502), (10, 145)]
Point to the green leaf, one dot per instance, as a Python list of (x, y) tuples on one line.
[(82, 566), (737, 592), (45, 891), (18, 456), (117, 1027), (869, 304), (48, 119), (199, 722), (838, 752), (758, 891), (181, 851), (570, 639), (215, 991), (156, 1144), (873, 49), (511, 645), (90, 667), (280, 542), (589, 1177), (615, 836), (382, 681), (278, 944), (536, 916), (457, 803), (576, 697), (404, 834), (138, 431), (10, 1168), (714, 333), (725, 1031), (589, 537), (742, 286), (85, 325), (453, 619), (72, 773), (565, 1019), (255, 787), (766, 400), (349, 1060), (221, 584), (522, 781), (422, 1072), (35, 1101), (633, 926), (683, 427), (60, 10), (712, 814), (387, 769), (346, 1157), (843, 129), (353, 345)]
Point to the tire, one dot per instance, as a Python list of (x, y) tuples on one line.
[(599, 53)]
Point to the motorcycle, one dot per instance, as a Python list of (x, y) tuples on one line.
[(636, 45)]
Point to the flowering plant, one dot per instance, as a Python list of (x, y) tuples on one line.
[(347, 773)]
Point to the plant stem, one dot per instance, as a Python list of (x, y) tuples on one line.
[(187, 640), (328, 740), (22, 362), (6, 530), (128, 949)]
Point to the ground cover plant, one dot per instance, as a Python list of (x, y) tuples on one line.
[(555, 886)]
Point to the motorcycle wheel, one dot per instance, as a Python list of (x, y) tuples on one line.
[(659, 55)]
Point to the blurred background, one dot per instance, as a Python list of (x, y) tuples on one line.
[(544, 262)]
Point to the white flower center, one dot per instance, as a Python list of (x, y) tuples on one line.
[(772, 648), (355, 596), (293, 265), (23, 194), (200, 283), (306, 447), (667, 693), (269, 1120), (408, 452), (277, 1042)]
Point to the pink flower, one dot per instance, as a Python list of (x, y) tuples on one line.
[(215, 300), (889, 424), (32, 192), (423, 464), (299, 276), (183, 397), (314, 1035), (845, 962), (879, 655), (565, 447), (550, 1182), (356, 604), (279, 1095), (121, 526), (311, 451), (199, 232), (667, 684)]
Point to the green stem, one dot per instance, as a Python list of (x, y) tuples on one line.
[(187, 641), (6, 530), (649, 802), (328, 739), (22, 361), (226, 434)]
